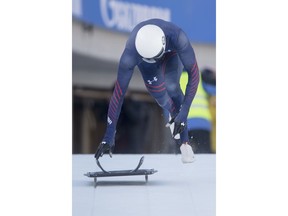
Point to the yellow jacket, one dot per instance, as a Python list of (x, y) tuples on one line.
[(200, 104)]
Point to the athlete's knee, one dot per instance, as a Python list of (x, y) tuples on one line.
[(161, 102), (175, 92), (172, 87)]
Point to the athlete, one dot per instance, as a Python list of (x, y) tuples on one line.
[(160, 50)]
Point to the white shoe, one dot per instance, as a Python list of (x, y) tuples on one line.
[(187, 153)]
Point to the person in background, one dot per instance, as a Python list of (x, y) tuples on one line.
[(212, 107), (199, 120), (160, 50)]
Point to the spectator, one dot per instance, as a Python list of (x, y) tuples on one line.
[(199, 119)]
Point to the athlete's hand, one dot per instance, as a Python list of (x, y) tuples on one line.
[(103, 148), (178, 126)]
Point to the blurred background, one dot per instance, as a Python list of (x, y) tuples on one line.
[(100, 29)]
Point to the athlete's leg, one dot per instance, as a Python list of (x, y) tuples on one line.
[(154, 76), (172, 69), (155, 84)]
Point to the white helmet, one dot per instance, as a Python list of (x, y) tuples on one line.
[(150, 42)]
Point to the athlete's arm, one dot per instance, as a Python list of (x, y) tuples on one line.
[(125, 71), (187, 56)]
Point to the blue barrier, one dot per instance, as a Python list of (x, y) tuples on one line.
[(196, 17)]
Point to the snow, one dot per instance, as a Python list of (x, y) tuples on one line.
[(176, 189)]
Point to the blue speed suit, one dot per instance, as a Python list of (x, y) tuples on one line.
[(161, 78)]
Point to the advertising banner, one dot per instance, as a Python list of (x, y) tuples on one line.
[(196, 17)]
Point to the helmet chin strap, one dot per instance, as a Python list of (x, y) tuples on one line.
[(151, 61)]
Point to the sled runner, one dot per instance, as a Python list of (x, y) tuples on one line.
[(114, 173)]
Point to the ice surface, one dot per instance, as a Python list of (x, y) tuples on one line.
[(176, 189)]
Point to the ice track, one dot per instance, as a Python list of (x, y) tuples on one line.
[(176, 189)]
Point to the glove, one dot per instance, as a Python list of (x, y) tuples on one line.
[(178, 126), (102, 148)]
